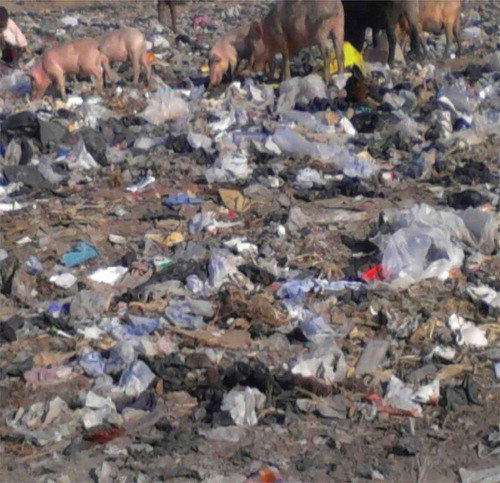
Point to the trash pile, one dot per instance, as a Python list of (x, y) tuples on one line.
[(259, 282)]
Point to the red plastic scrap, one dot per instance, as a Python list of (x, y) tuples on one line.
[(201, 21), (103, 435), (265, 475), (377, 272), (397, 412), (373, 397), (376, 399)]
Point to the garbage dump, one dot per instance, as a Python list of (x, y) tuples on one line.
[(259, 280)]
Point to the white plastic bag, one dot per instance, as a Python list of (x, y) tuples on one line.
[(165, 105)]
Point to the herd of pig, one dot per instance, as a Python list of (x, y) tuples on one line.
[(289, 26)]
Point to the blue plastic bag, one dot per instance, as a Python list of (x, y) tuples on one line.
[(79, 253)]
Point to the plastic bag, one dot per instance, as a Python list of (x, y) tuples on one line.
[(418, 253), (325, 362), (297, 145), (181, 314), (165, 105), (301, 90), (136, 378), (242, 405), (18, 83), (304, 119), (351, 57), (80, 158), (426, 242), (227, 167)]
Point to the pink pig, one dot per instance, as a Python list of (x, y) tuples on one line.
[(293, 25), (79, 56), (124, 44), (227, 52)]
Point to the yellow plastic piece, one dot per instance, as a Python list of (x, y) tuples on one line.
[(351, 57), (205, 68)]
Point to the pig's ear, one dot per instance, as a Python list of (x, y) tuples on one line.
[(257, 27)]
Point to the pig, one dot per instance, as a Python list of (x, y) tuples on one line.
[(162, 7), (79, 56), (433, 16), (380, 15), (127, 43), (296, 24), (228, 52)]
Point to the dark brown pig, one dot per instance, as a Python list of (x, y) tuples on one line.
[(434, 15), (79, 56), (380, 15), (162, 12), (124, 44), (296, 24), (228, 52)]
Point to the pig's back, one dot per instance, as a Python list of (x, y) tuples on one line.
[(113, 46), (60, 56)]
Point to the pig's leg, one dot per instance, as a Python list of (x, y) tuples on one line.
[(375, 37), (173, 14), (60, 82), (147, 66), (337, 34), (415, 39), (94, 68), (325, 52), (161, 10), (449, 34), (391, 39), (272, 67), (458, 36), (136, 68), (286, 72), (107, 69), (99, 83)]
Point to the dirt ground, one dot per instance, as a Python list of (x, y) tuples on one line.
[(305, 447)]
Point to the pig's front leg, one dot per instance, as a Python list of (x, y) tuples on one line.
[(109, 74), (61, 83), (147, 65)]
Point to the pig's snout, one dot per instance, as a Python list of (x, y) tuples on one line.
[(218, 67)]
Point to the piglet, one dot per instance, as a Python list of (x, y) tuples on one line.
[(79, 56), (295, 24), (124, 44), (228, 52)]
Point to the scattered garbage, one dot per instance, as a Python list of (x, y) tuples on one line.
[(165, 105), (79, 253), (262, 281)]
